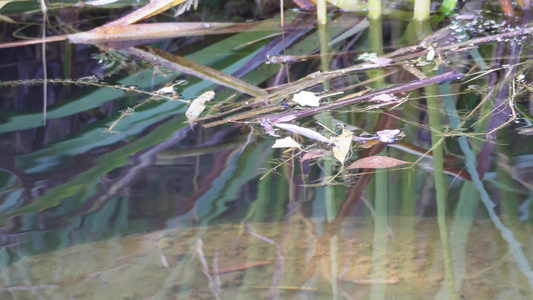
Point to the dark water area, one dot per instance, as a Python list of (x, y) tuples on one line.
[(111, 193)]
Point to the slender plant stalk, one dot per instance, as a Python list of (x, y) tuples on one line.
[(421, 10), (379, 255), (321, 11), (440, 186), (374, 9)]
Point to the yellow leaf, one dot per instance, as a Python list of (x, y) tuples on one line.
[(197, 106), (342, 145), (286, 142)]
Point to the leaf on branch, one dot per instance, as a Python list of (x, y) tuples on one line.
[(381, 60), (384, 98), (342, 145), (305, 98), (198, 105), (431, 54), (368, 143), (286, 142), (303, 131), (315, 153), (267, 126), (167, 90), (390, 135), (376, 162), (367, 56)]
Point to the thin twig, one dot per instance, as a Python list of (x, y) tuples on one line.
[(413, 85)]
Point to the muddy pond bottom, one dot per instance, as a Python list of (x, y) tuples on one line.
[(362, 258)]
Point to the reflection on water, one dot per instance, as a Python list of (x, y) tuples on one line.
[(117, 196), (294, 259)]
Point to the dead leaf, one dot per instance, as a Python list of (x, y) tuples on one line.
[(368, 143), (381, 60), (384, 98), (198, 105), (376, 162), (140, 33), (342, 145), (388, 135), (305, 98), (167, 90), (267, 126), (303, 131), (312, 154), (286, 142), (431, 54)]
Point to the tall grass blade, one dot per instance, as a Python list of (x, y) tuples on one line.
[(187, 66)]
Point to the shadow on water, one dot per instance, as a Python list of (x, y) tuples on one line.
[(121, 195)]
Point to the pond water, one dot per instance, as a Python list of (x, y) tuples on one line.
[(119, 196)]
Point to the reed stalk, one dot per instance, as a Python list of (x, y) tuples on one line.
[(321, 11), (374, 9), (421, 10)]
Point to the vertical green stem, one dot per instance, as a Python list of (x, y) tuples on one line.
[(321, 11), (421, 10), (325, 118), (440, 187), (374, 9), (379, 255), (323, 36)]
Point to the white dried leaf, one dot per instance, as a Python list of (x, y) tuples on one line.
[(197, 106), (384, 98), (168, 90), (388, 135), (431, 54), (342, 145), (286, 142), (367, 56), (305, 98), (381, 60), (267, 126), (100, 2), (303, 131)]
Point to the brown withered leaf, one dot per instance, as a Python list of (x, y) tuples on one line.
[(376, 162), (368, 144), (312, 154)]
